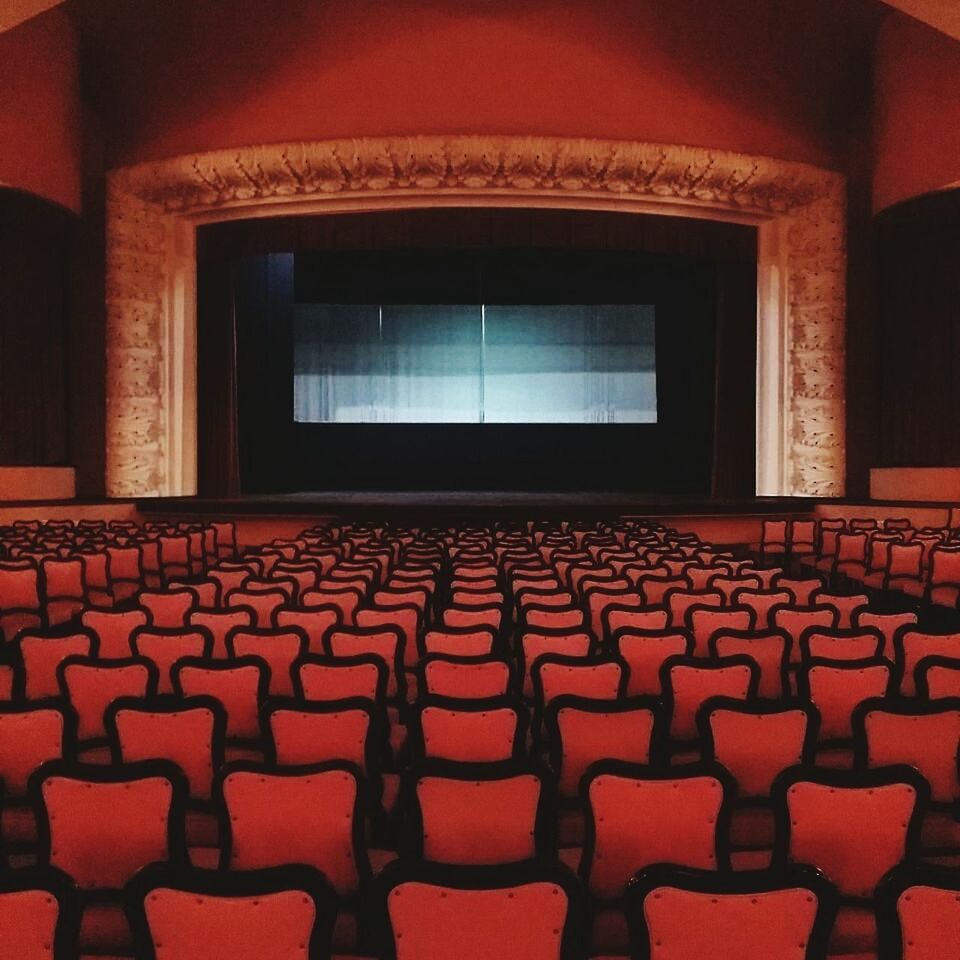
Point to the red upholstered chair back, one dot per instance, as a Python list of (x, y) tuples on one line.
[(703, 622), (277, 912), (432, 910), (819, 643), (165, 647), (836, 688), (39, 914), (278, 647), (478, 814), (645, 651), (924, 736), (855, 827), (30, 735), (688, 682), (912, 645), (240, 684), (42, 652), (338, 678), (113, 629), (168, 608), (770, 650), (384, 642), (220, 623), (91, 686), (315, 622), (188, 732), (638, 816), (101, 824), (581, 732), (310, 815), (298, 734), (477, 731), (464, 678), (757, 742), (677, 912)]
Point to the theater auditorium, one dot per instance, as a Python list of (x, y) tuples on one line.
[(479, 480)]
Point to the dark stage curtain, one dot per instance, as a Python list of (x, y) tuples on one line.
[(35, 246), (243, 288), (918, 331)]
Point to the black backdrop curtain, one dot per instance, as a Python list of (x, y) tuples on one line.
[(918, 331), (704, 274), (35, 246)]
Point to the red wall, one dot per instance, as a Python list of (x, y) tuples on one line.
[(748, 75), (916, 111), (40, 109)]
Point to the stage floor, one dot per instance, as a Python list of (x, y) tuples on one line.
[(513, 502)]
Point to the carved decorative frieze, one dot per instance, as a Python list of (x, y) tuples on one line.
[(277, 178)]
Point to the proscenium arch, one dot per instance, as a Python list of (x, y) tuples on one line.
[(153, 211)]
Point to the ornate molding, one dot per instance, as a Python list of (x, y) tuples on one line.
[(145, 200), (288, 172)]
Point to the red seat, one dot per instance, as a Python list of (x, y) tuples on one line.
[(478, 814), (755, 915), (384, 642), (836, 688), (581, 731), (63, 588), (847, 606), (468, 731), (20, 606), (770, 650), (819, 643), (240, 684), (645, 651), (39, 915), (100, 825), (165, 647), (887, 624), (186, 731), (180, 912), (689, 682), (464, 678), (346, 600), (938, 678), (794, 620), (168, 608), (678, 602), (703, 622), (854, 827), (306, 814), (533, 644), (337, 678), (278, 648), (263, 603), (912, 645), (762, 602), (316, 622), (41, 652), (457, 643), (918, 912), (530, 911), (220, 623), (113, 629), (90, 686), (618, 618), (638, 816)]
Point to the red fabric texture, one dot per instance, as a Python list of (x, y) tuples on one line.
[(338, 681), (836, 692), (165, 650), (469, 736), (693, 685), (113, 630), (303, 738), (853, 834), (294, 819), (467, 681), (93, 688), (516, 923), (41, 657), (28, 919), (220, 623), (102, 833), (237, 688), (757, 747), (27, 740), (476, 822), (243, 928), (587, 736), (645, 656), (774, 925), (640, 822), (184, 737)]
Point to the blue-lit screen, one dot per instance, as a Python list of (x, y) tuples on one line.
[(457, 363)]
